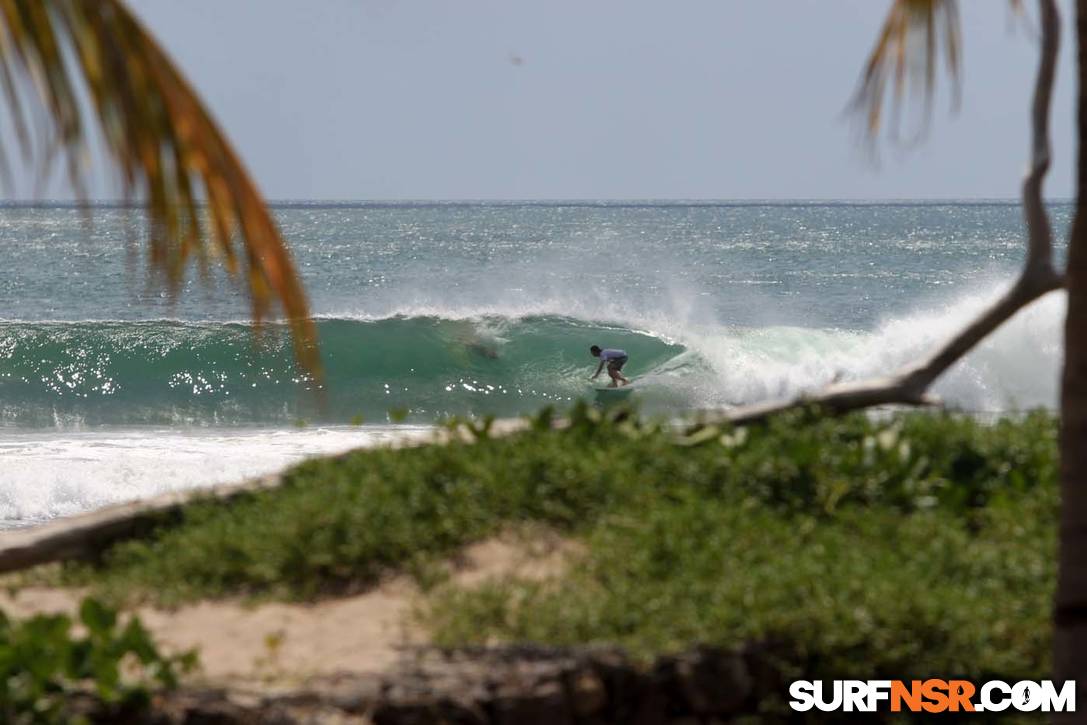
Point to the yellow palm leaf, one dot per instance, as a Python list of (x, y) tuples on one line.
[(914, 35), (906, 53), (170, 152)]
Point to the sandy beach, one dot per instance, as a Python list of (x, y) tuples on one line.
[(276, 643)]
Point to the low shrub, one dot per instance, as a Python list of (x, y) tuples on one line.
[(43, 663), (338, 524)]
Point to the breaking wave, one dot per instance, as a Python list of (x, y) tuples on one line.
[(68, 375)]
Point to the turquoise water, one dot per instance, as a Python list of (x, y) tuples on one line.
[(210, 373), (435, 309), (439, 309)]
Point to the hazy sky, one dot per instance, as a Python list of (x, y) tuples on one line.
[(511, 99)]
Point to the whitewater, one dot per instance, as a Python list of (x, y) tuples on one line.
[(111, 390)]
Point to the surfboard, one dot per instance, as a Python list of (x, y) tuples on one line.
[(613, 393)]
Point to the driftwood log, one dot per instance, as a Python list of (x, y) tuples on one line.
[(82, 535), (85, 535)]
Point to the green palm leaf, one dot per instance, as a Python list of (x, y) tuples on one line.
[(169, 151)]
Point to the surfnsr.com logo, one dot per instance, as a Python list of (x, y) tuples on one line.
[(931, 696)]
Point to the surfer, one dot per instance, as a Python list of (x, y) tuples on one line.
[(615, 360)]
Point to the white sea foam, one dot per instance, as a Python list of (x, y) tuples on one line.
[(1016, 368), (45, 475)]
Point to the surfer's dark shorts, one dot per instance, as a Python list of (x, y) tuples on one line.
[(617, 363)]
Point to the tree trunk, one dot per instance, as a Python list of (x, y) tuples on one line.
[(1070, 613)]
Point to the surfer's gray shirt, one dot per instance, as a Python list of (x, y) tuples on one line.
[(612, 354)]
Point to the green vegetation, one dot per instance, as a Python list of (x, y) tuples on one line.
[(42, 663), (920, 545), (908, 545), (873, 593)]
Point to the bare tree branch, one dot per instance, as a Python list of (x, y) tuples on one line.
[(910, 385)]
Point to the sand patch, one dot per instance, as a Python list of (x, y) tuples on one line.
[(365, 633)]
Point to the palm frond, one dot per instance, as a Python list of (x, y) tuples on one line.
[(905, 57), (169, 151), (907, 54), (914, 35)]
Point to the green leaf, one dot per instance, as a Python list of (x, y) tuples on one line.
[(97, 617)]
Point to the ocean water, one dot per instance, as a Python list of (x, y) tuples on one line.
[(111, 390)]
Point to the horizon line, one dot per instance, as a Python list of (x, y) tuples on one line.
[(556, 201)]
